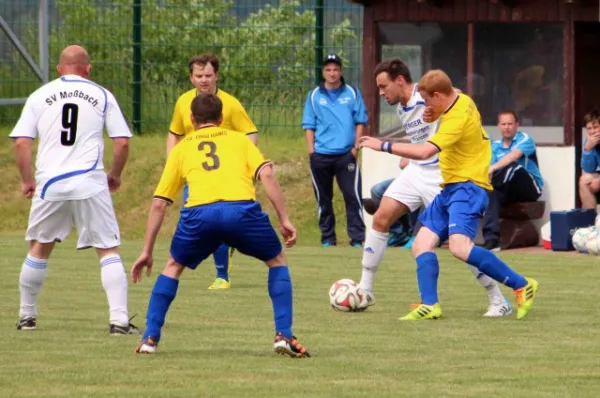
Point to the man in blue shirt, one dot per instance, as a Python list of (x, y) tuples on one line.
[(514, 174), (334, 120), (589, 182)]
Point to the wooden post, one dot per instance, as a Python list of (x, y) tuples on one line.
[(470, 59)]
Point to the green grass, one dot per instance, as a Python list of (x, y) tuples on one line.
[(218, 344), (143, 171)]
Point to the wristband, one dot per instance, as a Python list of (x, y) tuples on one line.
[(386, 146)]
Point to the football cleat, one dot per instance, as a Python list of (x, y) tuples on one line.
[(220, 284), (525, 297), (115, 330), (27, 323), (499, 306), (424, 311), (148, 346), (367, 300), (291, 347)]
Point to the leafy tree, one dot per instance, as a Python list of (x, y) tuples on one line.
[(268, 58)]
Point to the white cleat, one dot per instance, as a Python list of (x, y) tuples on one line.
[(499, 306), (368, 299), (148, 346)]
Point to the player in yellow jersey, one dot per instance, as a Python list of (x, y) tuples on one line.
[(204, 73), (465, 153), (220, 167)]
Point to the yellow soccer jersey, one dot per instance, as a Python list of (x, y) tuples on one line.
[(216, 163), (465, 148), (235, 117)]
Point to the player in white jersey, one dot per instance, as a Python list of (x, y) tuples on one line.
[(69, 115), (417, 185)]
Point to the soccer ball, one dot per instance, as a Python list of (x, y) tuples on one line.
[(581, 237), (592, 245), (346, 296)]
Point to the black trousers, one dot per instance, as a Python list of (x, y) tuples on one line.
[(346, 171), (511, 184)]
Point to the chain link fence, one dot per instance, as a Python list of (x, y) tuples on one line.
[(140, 49)]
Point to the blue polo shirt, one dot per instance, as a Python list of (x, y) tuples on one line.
[(333, 115), (590, 160), (523, 142)]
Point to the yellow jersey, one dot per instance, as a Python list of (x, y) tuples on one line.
[(216, 163), (465, 148), (235, 117)]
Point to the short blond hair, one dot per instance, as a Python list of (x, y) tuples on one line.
[(436, 81), (591, 117)]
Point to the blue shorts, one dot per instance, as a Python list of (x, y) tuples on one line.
[(457, 209), (242, 225)]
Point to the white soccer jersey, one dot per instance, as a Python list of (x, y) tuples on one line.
[(411, 117), (69, 115)]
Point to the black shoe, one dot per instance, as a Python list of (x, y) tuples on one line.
[(117, 329), (27, 323), (491, 245)]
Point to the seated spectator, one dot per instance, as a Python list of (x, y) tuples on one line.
[(589, 182), (514, 174), (401, 233)]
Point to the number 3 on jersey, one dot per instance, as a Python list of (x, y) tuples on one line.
[(211, 154), (69, 123)]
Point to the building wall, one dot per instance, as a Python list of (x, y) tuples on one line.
[(557, 163), (478, 11), (484, 10), (559, 177)]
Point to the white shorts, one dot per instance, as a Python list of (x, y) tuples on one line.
[(94, 218), (416, 186)]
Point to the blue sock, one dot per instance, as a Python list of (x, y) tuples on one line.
[(162, 295), (280, 291), (428, 270), (221, 256), (492, 266)]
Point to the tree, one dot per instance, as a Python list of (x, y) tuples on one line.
[(267, 59)]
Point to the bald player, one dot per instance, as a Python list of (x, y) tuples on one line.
[(68, 116)]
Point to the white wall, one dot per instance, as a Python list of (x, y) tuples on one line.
[(548, 135), (557, 165)]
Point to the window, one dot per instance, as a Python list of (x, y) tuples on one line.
[(422, 47), (515, 66), (519, 67)]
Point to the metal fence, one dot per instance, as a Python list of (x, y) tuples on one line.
[(270, 51)]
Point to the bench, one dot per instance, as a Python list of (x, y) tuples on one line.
[(516, 222)]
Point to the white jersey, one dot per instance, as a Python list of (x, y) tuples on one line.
[(411, 117), (69, 115)]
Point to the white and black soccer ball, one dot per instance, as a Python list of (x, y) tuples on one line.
[(346, 296), (592, 245), (581, 237)]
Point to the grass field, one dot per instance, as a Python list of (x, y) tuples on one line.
[(218, 344)]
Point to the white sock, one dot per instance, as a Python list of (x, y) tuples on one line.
[(488, 283), (114, 281), (375, 245), (33, 274)]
